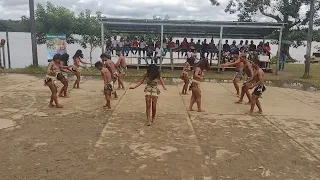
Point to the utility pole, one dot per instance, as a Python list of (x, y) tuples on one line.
[(33, 34), (309, 40)]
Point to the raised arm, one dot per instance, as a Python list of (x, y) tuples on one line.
[(231, 64), (83, 61), (140, 82)]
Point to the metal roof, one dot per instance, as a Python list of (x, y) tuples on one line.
[(188, 28)]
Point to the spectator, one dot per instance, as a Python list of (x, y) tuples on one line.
[(142, 47)]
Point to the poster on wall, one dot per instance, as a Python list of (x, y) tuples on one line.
[(56, 44)]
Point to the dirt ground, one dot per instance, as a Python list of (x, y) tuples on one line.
[(83, 141)]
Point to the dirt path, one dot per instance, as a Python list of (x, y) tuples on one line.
[(83, 141)]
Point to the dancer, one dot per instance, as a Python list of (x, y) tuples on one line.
[(152, 77), (238, 72), (257, 81), (199, 68), (75, 68), (248, 70), (64, 59), (122, 69), (54, 74), (108, 63), (185, 77), (107, 82)]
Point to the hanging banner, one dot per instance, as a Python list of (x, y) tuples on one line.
[(56, 44)]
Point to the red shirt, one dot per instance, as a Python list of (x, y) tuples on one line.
[(185, 45), (135, 44), (171, 45)]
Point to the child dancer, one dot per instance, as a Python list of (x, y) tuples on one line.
[(152, 77), (108, 63), (75, 68), (238, 72), (123, 69), (54, 73), (201, 66), (185, 77), (248, 70), (106, 75), (257, 82)]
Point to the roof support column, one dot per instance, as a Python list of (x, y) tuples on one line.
[(279, 51), (220, 48), (161, 57), (102, 36)]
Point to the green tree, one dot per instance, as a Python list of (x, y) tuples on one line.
[(54, 19), (88, 27), (282, 11)]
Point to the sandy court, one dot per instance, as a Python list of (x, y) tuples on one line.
[(84, 141)]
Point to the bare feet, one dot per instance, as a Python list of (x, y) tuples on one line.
[(201, 110), (191, 110), (51, 105), (107, 107), (59, 106), (238, 102), (152, 121), (149, 123), (249, 113), (260, 112), (60, 95)]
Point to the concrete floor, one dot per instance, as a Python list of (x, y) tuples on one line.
[(221, 143)]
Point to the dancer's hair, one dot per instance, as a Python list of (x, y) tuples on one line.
[(65, 58), (98, 64), (153, 72), (203, 64), (57, 57), (104, 55), (78, 54)]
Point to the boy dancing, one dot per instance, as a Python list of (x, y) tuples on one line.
[(106, 75), (257, 82)]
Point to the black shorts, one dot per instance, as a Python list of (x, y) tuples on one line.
[(259, 90)]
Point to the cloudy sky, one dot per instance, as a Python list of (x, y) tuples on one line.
[(176, 9)]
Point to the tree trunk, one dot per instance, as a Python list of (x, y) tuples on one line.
[(285, 33), (91, 49)]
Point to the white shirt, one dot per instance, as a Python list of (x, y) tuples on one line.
[(142, 44), (164, 45), (239, 46), (158, 51), (114, 43), (120, 44), (191, 54)]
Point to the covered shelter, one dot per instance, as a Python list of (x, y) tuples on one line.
[(190, 28)]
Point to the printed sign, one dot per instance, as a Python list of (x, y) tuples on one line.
[(56, 44)]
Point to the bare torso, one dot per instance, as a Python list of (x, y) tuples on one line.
[(248, 69), (258, 75), (106, 73), (239, 66), (53, 69), (112, 66), (197, 74), (122, 62)]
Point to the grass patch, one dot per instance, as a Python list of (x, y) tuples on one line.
[(291, 73)]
